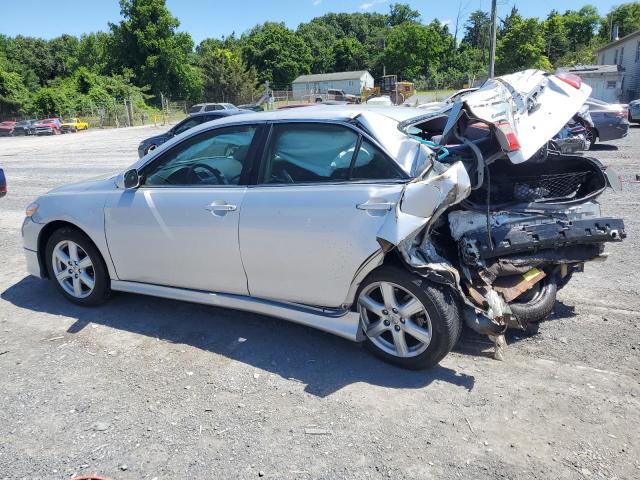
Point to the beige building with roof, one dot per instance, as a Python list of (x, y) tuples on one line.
[(350, 82)]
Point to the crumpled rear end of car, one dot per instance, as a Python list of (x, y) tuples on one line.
[(504, 220)]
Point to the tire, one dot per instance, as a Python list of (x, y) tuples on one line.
[(78, 272), (538, 304), (439, 318)]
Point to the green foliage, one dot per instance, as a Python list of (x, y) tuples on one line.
[(626, 16), (415, 49), (145, 54), (521, 45), (400, 13), (225, 75), (147, 43), (278, 54)]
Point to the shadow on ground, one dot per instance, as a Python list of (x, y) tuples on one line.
[(603, 147), (323, 362)]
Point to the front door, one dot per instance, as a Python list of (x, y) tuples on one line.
[(180, 227), (312, 220)]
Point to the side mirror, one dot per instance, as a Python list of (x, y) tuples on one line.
[(128, 180)]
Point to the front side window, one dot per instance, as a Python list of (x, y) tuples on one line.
[(315, 153), (212, 108), (216, 157)]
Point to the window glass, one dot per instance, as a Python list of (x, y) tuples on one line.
[(216, 157), (211, 108), (195, 109), (309, 152), (372, 164), (187, 124)]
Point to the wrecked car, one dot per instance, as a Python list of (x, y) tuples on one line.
[(388, 226)]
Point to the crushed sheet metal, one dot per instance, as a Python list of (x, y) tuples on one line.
[(410, 215)]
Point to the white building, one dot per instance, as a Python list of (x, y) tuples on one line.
[(624, 52), (351, 82), (606, 81)]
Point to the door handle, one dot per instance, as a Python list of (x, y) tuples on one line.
[(219, 207), (379, 206)]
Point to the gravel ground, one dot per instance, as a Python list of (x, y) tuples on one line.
[(147, 388)]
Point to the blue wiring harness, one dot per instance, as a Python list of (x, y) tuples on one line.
[(443, 151)]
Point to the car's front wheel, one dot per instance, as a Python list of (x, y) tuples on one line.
[(77, 268), (407, 320)]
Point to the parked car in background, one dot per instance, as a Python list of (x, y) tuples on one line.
[(25, 127), (211, 107), (337, 95), (382, 100), (48, 126), (3, 184), (376, 224), (7, 128), (609, 121), (634, 111), (73, 125), (191, 121)]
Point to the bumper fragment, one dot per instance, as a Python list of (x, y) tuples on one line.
[(508, 240)]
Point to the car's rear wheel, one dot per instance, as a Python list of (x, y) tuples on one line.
[(407, 321), (77, 268)]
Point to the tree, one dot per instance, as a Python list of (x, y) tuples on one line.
[(555, 34), (414, 49), (320, 39), (400, 13), (225, 75), (581, 26), (625, 16), (13, 94), (278, 54), (349, 55), (521, 45), (147, 42)]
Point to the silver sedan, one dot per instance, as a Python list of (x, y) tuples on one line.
[(366, 223)]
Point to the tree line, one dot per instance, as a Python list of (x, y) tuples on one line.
[(145, 56)]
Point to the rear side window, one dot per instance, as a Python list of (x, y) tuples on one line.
[(372, 164), (316, 153), (195, 109)]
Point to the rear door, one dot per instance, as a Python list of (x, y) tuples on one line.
[(323, 193)]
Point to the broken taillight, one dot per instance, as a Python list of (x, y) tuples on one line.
[(512, 140), (571, 79)]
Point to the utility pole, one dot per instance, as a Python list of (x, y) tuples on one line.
[(492, 44)]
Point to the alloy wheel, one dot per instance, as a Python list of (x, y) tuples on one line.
[(73, 269), (394, 319)]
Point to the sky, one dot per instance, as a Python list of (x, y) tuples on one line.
[(215, 18)]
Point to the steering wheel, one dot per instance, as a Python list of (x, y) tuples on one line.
[(193, 176)]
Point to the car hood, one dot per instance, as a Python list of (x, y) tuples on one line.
[(163, 137), (94, 183)]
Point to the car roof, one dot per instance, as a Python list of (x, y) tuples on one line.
[(381, 122), (324, 113)]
